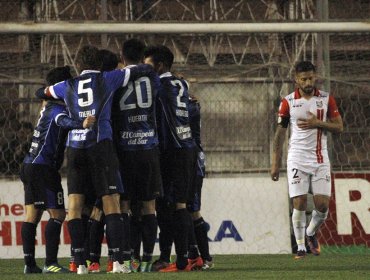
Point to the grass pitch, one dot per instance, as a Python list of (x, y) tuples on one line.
[(326, 266)]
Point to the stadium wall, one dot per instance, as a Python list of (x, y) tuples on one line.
[(348, 222), (247, 215)]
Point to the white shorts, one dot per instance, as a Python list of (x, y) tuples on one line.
[(301, 183)]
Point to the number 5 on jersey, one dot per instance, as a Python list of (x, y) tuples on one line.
[(85, 92)]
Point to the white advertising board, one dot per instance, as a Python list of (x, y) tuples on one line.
[(246, 216)]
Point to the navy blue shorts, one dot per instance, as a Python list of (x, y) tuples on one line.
[(42, 186), (94, 170), (195, 202), (178, 170), (141, 174), (195, 199)]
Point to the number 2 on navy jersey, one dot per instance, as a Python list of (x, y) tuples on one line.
[(86, 94), (143, 92), (181, 93)]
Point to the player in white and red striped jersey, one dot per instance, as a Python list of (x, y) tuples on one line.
[(311, 113)]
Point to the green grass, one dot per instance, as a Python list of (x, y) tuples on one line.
[(353, 249), (326, 266)]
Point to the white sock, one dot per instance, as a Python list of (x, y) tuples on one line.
[(299, 227), (317, 220)]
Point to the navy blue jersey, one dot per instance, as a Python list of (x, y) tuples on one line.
[(49, 136), (91, 93), (194, 116), (134, 114), (173, 113), (195, 124)]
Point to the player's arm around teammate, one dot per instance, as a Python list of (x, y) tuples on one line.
[(90, 152), (41, 179), (136, 138)]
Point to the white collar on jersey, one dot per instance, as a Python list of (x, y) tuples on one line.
[(164, 75), (297, 95), (89, 71), (130, 66), (169, 74)]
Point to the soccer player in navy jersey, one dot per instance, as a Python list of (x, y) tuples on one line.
[(178, 156), (90, 152), (41, 179), (96, 221), (135, 130), (199, 227)]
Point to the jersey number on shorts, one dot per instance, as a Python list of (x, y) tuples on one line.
[(181, 93), (295, 175), (60, 198), (85, 93), (143, 92)]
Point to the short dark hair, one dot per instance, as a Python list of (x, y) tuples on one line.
[(133, 50), (88, 58), (304, 66), (108, 59), (160, 54), (58, 74)]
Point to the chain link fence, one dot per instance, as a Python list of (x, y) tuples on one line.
[(238, 78)]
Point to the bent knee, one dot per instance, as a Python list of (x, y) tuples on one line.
[(58, 214), (322, 208), (33, 215)]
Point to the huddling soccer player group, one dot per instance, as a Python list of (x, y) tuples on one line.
[(134, 163)]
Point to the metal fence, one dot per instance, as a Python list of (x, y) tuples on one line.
[(239, 78)]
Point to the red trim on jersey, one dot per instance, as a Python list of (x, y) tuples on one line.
[(47, 91), (284, 109), (332, 108), (297, 95), (320, 158)]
